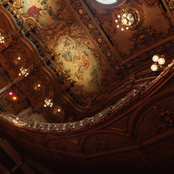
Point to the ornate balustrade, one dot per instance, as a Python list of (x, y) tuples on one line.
[(86, 123)]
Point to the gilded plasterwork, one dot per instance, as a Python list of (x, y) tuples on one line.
[(171, 6)]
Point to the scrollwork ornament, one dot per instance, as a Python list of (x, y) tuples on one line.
[(145, 36), (171, 6), (18, 4), (164, 120)]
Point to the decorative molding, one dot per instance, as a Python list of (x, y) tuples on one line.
[(94, 33), (86, 123)]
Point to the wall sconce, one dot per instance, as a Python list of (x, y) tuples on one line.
[(159, 61)]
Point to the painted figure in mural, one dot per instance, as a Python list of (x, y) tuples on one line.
[(81, 69), (95, 80), (67, 55), (41, 8)]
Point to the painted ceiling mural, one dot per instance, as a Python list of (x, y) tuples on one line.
[(80, 62), (75, 57), (43, 11)]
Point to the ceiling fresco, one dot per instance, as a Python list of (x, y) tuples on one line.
[(67, 41), (43, 11), (80, 62)]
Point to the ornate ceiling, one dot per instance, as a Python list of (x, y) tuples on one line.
[(77, 56)]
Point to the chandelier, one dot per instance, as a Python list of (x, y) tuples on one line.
[(127, 18), (23, 72), (48, 102), (159, 61)]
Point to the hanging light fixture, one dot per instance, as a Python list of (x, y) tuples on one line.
[(23, 72), (159, 61), (48, 102), (127, 18)]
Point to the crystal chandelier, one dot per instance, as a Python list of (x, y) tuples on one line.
[(159, 61), (23, 72), (126, 19), (48, 102)]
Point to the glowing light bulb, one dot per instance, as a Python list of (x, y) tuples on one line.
[(122, 29), (154, 67), (161, 61), (116, 20), (118, 26), (155, 58), (19, 58), (10, 93), (118, 16), (14, 98)]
